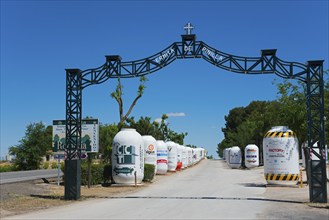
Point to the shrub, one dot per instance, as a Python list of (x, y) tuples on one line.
[(107, 173), (7, 168), (45, 165), (149, 170), (63, 170), (97, 173), (53, 165)]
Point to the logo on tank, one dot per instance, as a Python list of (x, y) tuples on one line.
[(150, 149), (125, 170), (125, 154)]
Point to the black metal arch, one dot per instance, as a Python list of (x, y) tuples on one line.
[(268, 63), (189, 48)]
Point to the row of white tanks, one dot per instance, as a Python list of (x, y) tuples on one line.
[(131, 150), (280, 152), (233, 156)]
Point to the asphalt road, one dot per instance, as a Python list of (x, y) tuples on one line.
[(209, 190), (19, 176)]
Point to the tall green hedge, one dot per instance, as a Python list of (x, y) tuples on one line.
[(97, 173), (149, 170), (107, 173), (101, 173)]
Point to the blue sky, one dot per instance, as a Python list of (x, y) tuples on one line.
[(40, 39)]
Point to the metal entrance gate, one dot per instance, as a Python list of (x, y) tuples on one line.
[(310, 73)]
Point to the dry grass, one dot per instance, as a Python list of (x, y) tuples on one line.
[(319, 205), (53, 195), (23, 204)]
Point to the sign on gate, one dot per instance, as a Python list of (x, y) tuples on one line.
[(89, 136)]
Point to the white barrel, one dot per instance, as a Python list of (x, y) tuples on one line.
[(127, 157), (184, 157), (197, 155), (162, 157), (189, 156), (150, 151), (281, 159), (200, 154), (316, 149), (251, 158), (235, 157), (172, 155), (227, 155), (224, 152), (179, 157), (303, 147), (193, 156)]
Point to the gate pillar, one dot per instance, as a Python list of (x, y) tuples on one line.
[(72, 171), (316, 132)]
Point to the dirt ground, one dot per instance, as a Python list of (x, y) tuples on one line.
[(18, 198), (23, 197)]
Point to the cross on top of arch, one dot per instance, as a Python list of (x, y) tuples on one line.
[(188, 27)]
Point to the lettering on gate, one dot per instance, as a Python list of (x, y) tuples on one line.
[(165, 55), (212, 54)]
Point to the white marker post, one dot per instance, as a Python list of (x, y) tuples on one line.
[(58, 168), (59, 155)]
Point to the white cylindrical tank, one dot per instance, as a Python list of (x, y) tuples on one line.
[(193, 156), (184, 157), (150, 151), (179, 157), (251, 153), (281, 159), (172, 155), (224, 154), (203, 152), (303, 147), (227, 155), (235, 157), (197, 155), (162, 157), (127, 157), (189, 156)]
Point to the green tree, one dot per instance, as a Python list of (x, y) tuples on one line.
[(247, 125), (144, 126), (191, 146), (160, 131), (166, 134), (36, 143), (106, 135), (210, 157), (292, 108), (118, 96), (176, 137)]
